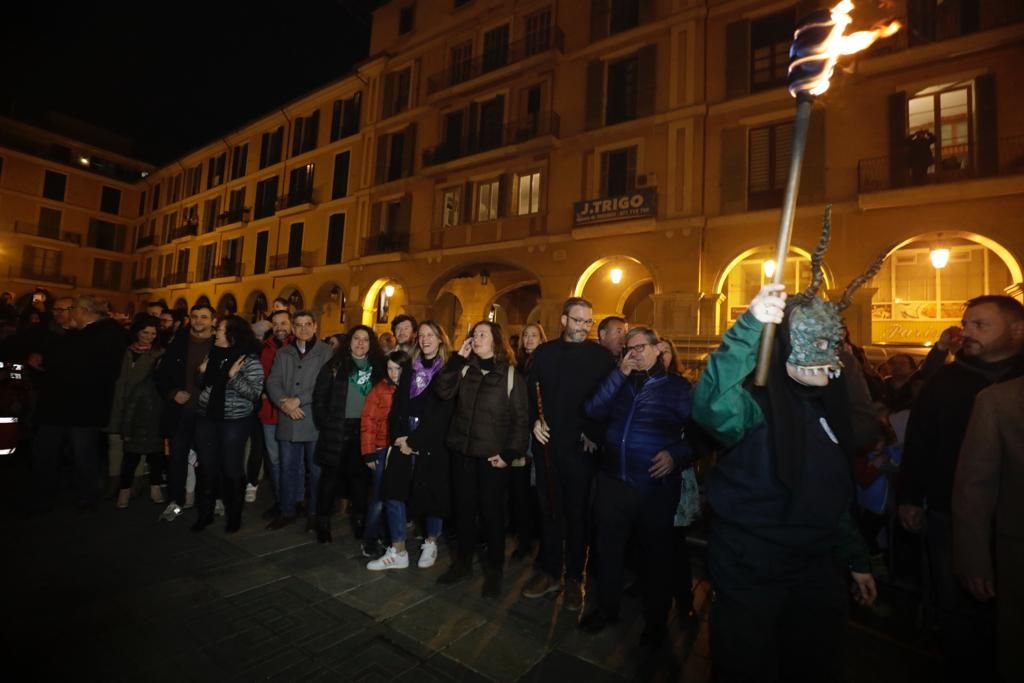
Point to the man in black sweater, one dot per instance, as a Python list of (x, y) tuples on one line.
[(992, 350), (564, 373)]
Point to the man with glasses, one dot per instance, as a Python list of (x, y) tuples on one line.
[(565, 372)]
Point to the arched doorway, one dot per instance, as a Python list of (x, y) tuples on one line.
[(448, 312), (256, 306), (385, 299), (329, 304), (181, 304), (227, 305), (293, 295), (924, 283), (203, 300), (500, 291), (619, 285)]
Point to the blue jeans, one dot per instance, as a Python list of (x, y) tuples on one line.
[(292, 455), (371, 531), (274, 458), (397, 518)]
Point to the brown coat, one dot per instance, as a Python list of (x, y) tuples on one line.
[(990, 478)]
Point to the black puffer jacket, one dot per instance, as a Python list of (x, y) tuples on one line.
[(488, 419), (329, 395)]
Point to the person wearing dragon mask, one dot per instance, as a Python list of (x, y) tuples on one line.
[(783, 542)]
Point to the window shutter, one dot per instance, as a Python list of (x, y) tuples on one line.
[(380, 173), (985, 125), (404, 216), (732, 175), (375, 225), (595, 94), (119, 234), (898, 139), (312, 131), (631, 169), (389, 96), (504, 184), (647, 63), (737, 59), (645, 11), (336, 120), (355, 105), (297, 136), (812, 178), (466, 203), (598, 19), (409, 151), (472, 128)]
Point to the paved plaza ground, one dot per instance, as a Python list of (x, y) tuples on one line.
[(118, 596)]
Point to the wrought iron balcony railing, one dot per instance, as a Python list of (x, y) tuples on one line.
[(486, 140)]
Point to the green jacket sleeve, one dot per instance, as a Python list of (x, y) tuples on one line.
[(720, 404), (852, 548)]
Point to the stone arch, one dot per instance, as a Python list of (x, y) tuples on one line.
[(227, 305), (597, 285), (181, 304), (609, 262), (203, 300), (478, 285), (767, 249), (329, 304), (296, 300), (373, 314), (256, 305)]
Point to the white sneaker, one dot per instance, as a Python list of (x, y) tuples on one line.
[(391, 559), (218, 508), (170, 513), (250, 493), (428, 554)]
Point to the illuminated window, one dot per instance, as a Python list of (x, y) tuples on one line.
[(487, 200), (745, 280), (529, 193)]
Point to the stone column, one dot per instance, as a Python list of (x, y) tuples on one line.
[(710, 307)]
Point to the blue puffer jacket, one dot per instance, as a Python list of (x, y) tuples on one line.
[(643, 421)]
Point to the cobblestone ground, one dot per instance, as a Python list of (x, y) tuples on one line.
[(118, 596)]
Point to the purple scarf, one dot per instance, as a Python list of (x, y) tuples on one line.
[(421, 375)]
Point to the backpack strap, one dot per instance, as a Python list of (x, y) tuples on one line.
[(511, 379)]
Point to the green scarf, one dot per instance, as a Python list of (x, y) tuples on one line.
[(360, 377)]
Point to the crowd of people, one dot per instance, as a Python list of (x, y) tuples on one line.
[(582, 450)]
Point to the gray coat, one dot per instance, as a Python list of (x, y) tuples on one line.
[(135, 413), (293, 376)]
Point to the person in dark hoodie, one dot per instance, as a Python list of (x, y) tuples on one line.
[(782, 537), (991, 351), (639, 481), (76, 398)]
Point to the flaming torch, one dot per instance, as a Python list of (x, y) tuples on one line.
[(818, 43)]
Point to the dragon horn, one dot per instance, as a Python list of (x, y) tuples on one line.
[(847, 297), (817, 275)]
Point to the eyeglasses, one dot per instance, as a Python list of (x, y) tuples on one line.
[(639, 348), (587, 322)]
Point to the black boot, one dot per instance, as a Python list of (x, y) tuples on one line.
[(459, 570), (323, 529), (492, 584), (358, 525), (234, 493)]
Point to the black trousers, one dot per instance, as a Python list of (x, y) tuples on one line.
[(181, 443), (777, 614), (351, 477), (221, 448), (564, 492), (46, 450), (522, 500), (480, 492), (646, 514), (130, 462), (257, 451), (682, 571)]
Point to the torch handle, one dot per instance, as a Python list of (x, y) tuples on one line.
[(796, 162)]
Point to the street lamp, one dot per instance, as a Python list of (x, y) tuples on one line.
[(616, 275), (939, 257), (769, 268), (389, 291)]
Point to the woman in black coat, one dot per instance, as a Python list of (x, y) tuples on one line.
[(338, 398), (490, 429)]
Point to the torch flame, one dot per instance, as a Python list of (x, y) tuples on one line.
[(836, 45)]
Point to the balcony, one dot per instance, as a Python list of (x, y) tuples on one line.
[(51, 233), (385, 243), (179, 278), (295, 259), (232, 216), (145, 241), (298, 197), (28, 272), (144, 283), (533, 44), (485, 141), (954, 164), (186, 230), (227, 269)]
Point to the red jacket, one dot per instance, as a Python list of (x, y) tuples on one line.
[(268, 411), (373, 427)]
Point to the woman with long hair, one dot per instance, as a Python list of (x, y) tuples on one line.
[(523, 496), (417, 475), (489, 430), (230, 387), (135, 412), (338, 400)]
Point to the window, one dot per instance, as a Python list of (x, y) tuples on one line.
[(183, 259), (215, 174), (406, 16), (748, 276), (49, 223), (300, 185), (207, 261), (190, 216), (175, 189), (492, 123), (487, 200), (295, 245), (304, 133), (266, 197), (156, 197), (105, 235), (495, 48), (270, 147), (168, 227), (339, 187), (618, 172), (37, 262), (459, 3), (236, 206), (110, 200), (538, 32), (106, 274), (609, 17), (345, 117), (528, 189), (768, 165), (231, 254), (142, 204), (623, 80), (166, 266), (939, 132), (451, 201), (193, 180), (389, 226), (395, 155), (262, 240), (54, 185), (211, 210), (239, 160), (335, 237), (770, 39), (396, 92), (461, 64)]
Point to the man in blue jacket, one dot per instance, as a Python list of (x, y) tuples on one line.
[(639, 480)]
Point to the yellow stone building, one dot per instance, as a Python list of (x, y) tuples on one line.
[(491, 158)]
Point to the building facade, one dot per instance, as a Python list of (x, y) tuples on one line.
[(490, 159)]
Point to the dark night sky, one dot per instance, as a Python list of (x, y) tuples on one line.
[(173, 76)]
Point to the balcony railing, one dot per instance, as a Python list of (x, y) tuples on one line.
[(385, 243), (239, 215), (460, 72), (484, 140), (27, 272), (144, 283), (228, 269), (51, 233), (186, 230), (145, 241), (286, 201), (954, 163), (305, 259), (177, 279)]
